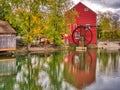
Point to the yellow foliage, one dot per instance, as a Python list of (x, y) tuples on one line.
[(38, 21), (35, 31), (51, 39), (34, 18), (30, 38), (46, 27)]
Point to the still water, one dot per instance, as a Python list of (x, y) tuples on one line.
[(64, 70)]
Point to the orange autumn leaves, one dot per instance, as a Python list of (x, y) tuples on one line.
[(35, 25), (30, 24)]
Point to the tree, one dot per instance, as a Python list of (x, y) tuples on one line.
[(109, 26), (115, 27), (104, 22), (5, 9), (35, 18), (27, 16), (56, 20)]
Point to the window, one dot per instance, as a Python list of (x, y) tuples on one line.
[(87, 26), (77, 35), (86, 9)]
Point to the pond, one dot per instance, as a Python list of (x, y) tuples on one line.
[(63, 70)]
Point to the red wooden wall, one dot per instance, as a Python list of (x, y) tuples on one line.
[(84, 16)]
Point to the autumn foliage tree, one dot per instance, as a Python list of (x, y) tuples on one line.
[(26, 17), (56, 21), (33, 19)]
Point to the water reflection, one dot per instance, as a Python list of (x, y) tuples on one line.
[(7, 66), (108, 63), (108, 71), (56, 71), (40, 72), (81, 68), (7, 72), (66, 70)]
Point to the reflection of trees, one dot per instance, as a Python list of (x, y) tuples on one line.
[(55, 71), (7, 83), (60, 71), (26, 76), (103, 57), (39, 72), (114, 58), (108, 62)]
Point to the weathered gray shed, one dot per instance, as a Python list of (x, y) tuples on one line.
[(7, 37)]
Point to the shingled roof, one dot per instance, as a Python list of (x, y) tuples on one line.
[(5, 28)]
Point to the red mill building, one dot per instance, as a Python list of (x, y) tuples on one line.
[(85, 17)]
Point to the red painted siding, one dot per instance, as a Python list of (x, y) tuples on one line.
[(85, 16)]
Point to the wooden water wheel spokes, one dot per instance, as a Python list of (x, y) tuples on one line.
[(82, 36), (88, 37), (77, 36)]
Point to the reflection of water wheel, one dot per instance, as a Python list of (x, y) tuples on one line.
[(82, 61), (82, 35)]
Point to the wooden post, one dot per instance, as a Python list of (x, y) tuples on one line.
[(81, 42), (81, 46)]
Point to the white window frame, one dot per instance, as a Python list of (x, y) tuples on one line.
[(77, 35), (87, 26)]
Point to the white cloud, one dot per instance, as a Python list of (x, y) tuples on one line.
[(98, 5)]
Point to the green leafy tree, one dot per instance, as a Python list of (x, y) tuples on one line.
[(56, 21), (109, 27), (5, 9), (104, 22)]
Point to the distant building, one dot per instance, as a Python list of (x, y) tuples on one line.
[(86, 17), (7, 37)]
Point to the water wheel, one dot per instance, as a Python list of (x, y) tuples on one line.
[(82, 36)]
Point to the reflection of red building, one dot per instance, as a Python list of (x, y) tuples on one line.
[(81, 67)]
